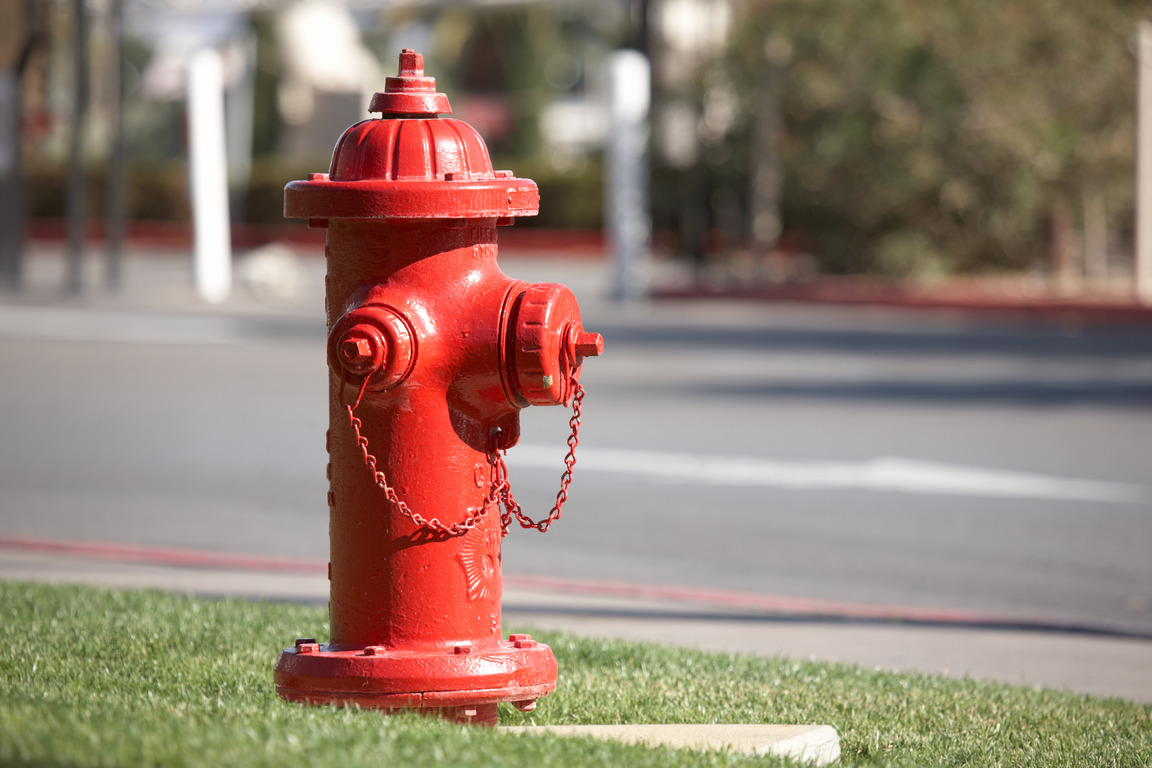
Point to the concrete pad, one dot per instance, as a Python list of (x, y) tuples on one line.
[(815, 744)]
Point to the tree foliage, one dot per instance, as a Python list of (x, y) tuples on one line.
[(941, 136)]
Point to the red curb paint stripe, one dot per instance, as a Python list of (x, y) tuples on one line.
[(191, 558), (1047, 310), (778, 604), (760, 602)]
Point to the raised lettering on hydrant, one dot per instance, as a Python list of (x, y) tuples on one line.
[(432, 353)]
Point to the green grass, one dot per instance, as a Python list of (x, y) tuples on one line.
[(94, 677)]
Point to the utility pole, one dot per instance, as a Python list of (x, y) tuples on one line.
[(1144, 161), (766, 173), (77, 180), (13, 205), (115, 182)]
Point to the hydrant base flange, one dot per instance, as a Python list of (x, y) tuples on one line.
[(518, 671)]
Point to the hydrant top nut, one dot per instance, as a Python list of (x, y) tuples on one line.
[(410, 93)]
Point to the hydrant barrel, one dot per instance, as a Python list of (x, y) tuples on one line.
[(432, 353)]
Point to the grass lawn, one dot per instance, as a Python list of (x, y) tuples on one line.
[(94, 677)]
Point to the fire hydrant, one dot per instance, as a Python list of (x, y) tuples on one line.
[(433, 352)]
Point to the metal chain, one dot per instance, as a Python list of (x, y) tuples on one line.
[(499, 489), (434, 525), (514, 510)]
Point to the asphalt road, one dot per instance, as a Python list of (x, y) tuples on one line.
[(877, 457)]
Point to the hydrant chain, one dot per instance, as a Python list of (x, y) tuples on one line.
[(499, 490), (454, 529), (381, 480), (511, 508)]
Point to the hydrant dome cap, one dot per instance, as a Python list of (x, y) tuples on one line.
[(415, 150), (411, 164)]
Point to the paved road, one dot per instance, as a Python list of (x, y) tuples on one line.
[(862, 456)]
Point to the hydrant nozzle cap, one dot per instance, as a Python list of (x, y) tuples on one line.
[(410, 93)]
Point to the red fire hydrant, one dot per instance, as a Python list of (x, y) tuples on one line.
[(432, 352)]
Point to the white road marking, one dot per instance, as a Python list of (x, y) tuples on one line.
[(887, 473)]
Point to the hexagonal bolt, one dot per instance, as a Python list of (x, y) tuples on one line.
[(305, 647), (355, 350), (461, 650), (525, 706), (305, 641), (589, 344), (522, 641), (374, 650), (361, 350)]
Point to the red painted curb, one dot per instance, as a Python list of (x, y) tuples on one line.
[(1065, 312), (779, 604), (149, 555)]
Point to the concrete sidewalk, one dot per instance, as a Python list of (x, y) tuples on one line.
[(1082, 662)]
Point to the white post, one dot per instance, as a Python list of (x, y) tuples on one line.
[(626, 175), (1144, 161), (208, 169)]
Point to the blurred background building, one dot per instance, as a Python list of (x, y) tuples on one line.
[(789, 138)]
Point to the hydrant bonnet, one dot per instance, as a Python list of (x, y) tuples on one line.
[(410, 163)]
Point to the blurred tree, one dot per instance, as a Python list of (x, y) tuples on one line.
[(502, 67), (930, 137)]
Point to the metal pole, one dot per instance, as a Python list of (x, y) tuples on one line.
[(77, 205), (1144, 162), (764, 183), (11, 183), (626, 175), (115, 180), (13, 203)]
